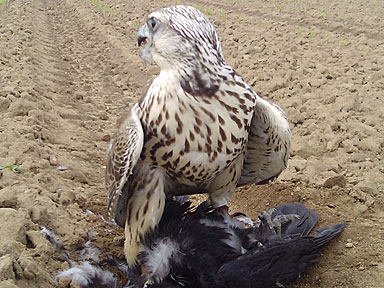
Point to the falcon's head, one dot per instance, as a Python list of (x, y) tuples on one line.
[(179, 35)]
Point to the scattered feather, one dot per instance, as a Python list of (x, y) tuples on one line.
[(88, 275), (52, 238)]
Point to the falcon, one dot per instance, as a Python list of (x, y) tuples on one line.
[(200, 128)]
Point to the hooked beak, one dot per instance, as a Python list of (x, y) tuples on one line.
[(143, 35)]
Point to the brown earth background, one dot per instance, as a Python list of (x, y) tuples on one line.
[(69, 69)]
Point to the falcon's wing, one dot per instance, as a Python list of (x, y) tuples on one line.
[(268, 145), (123, 154)]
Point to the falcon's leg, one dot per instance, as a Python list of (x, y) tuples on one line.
[(222, 210), (223, 186), (144, 209)]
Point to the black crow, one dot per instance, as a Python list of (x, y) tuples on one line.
[(207, 247)]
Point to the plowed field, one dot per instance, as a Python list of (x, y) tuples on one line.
[(70, 69)]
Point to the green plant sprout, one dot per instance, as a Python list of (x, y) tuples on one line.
[(103, 7), (223, 14), (206, 10), (97, 3), (135, 24), (298, 29), (242, 19), (311, 33), (109, 108), (115, 106), (3, 2), (365, 48), (112, 12), (342, 42), (13, 168)]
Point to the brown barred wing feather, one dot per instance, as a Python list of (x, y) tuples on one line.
[(268, 145), (123, 155)]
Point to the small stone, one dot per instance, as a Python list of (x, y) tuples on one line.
[(81, 177), (334, 144), (317, 82), (104, 117), (330, 99), (4, 104), (53, 160), (358, 158), (67, 197), (349, 245), (340, 181), (106, 138), (298, 163)]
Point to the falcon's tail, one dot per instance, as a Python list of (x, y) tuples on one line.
[(144, 209)]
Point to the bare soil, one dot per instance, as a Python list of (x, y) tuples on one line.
[(69, 70)]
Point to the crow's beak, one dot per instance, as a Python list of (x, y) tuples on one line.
[(143, 36)]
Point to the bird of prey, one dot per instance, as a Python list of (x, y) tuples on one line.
[(210, 248), (200, 128)]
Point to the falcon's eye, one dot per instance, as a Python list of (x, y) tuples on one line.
[(152, 22)]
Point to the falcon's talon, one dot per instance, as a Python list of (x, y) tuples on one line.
[(222, 209)]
